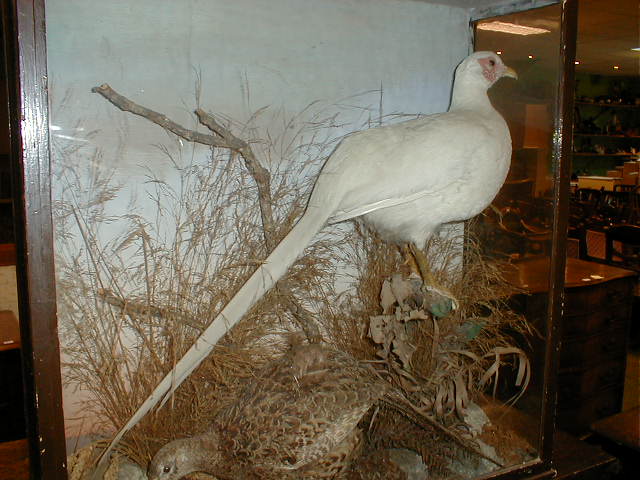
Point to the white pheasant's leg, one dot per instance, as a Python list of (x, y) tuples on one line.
[(498, 213), (447, 301)]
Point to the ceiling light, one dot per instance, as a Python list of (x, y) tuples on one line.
[(512, 28), (577, 62), (499, 52), (637, 49), (530, 57), (616, 67)]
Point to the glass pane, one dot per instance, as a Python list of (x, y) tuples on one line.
[(187, 137), (518, 228), (11, 385)]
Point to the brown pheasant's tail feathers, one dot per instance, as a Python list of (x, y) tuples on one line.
[(399, 402)]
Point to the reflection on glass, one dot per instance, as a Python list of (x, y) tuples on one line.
[(12, 414), (518, 228), (157, 230)]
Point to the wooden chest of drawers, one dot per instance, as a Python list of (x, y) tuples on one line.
[(594, 335)]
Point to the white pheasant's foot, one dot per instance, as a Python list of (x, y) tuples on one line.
[(439, 300)]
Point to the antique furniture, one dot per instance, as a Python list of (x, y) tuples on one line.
[(594, 334), (622, 246), (12, 426)]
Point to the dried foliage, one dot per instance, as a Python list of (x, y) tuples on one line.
[(136, 288), (125, 462), (132, 303), (445, 362), (441, 363)]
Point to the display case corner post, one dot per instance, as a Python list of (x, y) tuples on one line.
[(26, 66), (561, 158)]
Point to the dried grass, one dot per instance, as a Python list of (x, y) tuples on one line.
[(441, 363), (131, 304)]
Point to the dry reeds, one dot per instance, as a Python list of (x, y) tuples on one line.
[(441, 363), (132, 303)]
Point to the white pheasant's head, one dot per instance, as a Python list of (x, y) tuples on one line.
[(484, 68), (183, 456)]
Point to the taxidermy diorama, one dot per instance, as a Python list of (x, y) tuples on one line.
[(282, 379)]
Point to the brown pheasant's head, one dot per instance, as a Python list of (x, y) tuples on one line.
[(183, 456)]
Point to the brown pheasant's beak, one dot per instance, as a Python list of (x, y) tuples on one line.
[(509, 72)]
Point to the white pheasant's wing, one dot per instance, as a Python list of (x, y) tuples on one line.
[(380, 204), (404, 162)]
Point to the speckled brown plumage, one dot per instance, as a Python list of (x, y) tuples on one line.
[(296, 420), (392, 430)]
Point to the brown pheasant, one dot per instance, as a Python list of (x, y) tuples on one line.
[(296, 420)]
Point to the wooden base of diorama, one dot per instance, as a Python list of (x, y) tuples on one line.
[(571, 457)]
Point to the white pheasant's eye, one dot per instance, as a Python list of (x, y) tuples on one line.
[(492, 63), (166, 469)]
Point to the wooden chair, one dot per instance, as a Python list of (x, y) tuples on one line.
[(622, 247)]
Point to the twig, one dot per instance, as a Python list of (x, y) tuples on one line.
[(260, 174), (223, 138), (127, 105)]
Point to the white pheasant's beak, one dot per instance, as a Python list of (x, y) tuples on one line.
[(509, 72)]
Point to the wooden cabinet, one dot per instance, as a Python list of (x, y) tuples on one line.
[(12, 426), (594, 335)]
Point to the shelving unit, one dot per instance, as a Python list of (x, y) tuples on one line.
[(607, 116)]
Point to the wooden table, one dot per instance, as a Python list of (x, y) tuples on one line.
[(532, 274), (622, 428)]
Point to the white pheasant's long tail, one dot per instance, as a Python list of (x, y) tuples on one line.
[(263, 279)]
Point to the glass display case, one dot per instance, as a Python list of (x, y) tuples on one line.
[(180, 142)]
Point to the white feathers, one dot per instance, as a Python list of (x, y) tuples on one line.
[(404, 180)]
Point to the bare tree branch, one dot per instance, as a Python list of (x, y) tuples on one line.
[(127, 105), (223, 138), (260, 174)]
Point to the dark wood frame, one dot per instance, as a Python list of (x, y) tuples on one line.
[(24, 30), (561, 151), (561, 154), (26, 64)]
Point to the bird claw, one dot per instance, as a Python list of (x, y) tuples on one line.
[(439, 302)]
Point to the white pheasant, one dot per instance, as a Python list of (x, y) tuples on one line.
[(403, 180)]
